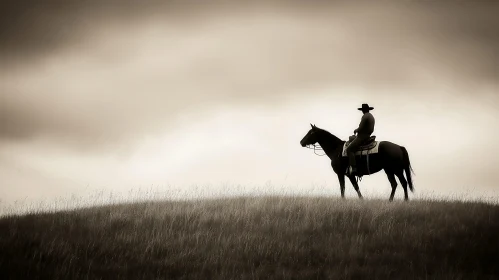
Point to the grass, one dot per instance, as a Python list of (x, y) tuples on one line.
[(256, 238)]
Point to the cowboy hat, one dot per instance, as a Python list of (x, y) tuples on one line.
[(366, 107)]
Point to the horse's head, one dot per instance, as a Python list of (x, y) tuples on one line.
[(311, 137)]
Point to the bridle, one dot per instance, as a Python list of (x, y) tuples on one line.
[(317, 147)]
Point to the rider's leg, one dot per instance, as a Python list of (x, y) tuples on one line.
[(356, 143), (351, 152)]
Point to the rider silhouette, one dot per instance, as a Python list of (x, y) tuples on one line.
[(364, 131)]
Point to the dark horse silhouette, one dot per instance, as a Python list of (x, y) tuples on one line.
[(391, 157)]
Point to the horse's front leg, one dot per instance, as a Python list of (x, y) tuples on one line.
[(355, 185), (341, 178)]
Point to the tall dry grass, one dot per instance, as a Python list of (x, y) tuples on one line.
[(256, 238)]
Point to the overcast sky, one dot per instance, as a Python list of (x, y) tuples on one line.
[(111, 95)]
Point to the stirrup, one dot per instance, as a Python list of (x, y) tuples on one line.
[(351, 172)]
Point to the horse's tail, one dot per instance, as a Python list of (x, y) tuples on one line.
[(408, 168)]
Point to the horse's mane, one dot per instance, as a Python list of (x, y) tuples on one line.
[(330, 135)]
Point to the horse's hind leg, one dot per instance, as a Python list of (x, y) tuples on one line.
[(393, 182), (403, 181), (355, 185)]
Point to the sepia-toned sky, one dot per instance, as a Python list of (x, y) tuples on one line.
[(213, 98)]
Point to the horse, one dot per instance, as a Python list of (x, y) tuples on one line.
[(392, 158)]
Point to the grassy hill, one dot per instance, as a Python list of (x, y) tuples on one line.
[(256, 238)]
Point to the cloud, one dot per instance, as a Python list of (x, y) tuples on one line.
[(96, 74)]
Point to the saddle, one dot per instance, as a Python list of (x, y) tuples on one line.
[(368, 144)]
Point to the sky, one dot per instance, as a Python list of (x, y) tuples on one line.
[(197, 99)]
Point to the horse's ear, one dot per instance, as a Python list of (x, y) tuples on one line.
[(312, 125)]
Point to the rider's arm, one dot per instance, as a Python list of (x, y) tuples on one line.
[(363, 123)]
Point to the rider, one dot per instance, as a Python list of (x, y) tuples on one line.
[(364, 131)]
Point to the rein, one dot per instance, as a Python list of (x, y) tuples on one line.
[(316, 147)]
